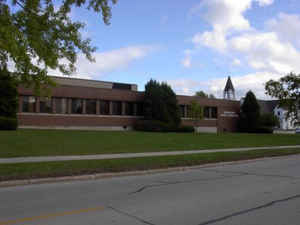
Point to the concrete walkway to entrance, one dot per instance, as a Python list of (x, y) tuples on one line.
[(131, 155)]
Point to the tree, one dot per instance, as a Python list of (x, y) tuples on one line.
[(287, 90), (161, 103), (196, 112), (204, 95), (36, 36), (211, 96), (250, 113), (201, 94), (8, 96), (8, 102)]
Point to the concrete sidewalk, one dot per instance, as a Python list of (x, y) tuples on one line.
[(131, 155)]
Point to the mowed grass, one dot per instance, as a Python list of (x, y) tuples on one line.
[(57, 142), (69, 168)]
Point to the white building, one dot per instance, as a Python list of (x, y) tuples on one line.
[(285, 123)]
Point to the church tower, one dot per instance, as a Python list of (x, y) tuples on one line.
[(229, 92)]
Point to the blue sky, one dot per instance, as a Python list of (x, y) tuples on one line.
[(194, 44)]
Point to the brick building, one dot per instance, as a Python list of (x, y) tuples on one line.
[(89, 104)]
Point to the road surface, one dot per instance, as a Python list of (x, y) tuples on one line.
[(249, 193)]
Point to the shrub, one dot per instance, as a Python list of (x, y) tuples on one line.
[(186, 129), (159, 126), (268, 120), (264, 130), (7, 123)]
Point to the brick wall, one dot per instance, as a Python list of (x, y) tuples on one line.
[(226, 119)]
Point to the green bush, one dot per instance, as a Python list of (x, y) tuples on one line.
[(268, 120), (185, 129), (7, 123), (159, 126), (264, 130)]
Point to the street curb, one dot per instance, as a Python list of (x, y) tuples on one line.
[(13, 183)]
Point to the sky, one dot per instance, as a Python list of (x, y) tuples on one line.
[(194, 45)]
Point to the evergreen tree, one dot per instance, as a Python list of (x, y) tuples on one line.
[(250, 113), (161, 103)]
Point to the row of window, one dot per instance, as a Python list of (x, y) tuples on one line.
[(77, 107), (60, 106), (209, 112)]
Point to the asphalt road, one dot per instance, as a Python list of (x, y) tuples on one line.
[(253, 193)]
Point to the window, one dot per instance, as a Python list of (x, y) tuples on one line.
[(210, 112), (129, 108), (104, 107), (77, 106), (182, 110), (46, 105), (90, 106), (188, 110), (29, 104), (116, 108), (60, 105), (214, 112), (206, 112), (139, 109)]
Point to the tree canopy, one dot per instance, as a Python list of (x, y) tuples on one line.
[(161, 103), (201, 94), (287, 90), (36, 36), (204, 95)]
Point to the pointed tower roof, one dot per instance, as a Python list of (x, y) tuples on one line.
[(229, 85)]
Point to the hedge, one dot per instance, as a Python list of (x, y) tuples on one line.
[(7, 123), (159, 126)]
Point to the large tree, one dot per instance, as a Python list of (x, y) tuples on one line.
[(161, 103), (287, 90), (36, 35), (250, 113)]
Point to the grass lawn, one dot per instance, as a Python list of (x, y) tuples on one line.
[(56, 169), (57, 142)]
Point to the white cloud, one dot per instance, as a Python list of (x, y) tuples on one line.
[(109, 61), (236, 62), (264, 51), (265, 2), (286, 26), (185, 86), (242, 84), (225, 17), (274, 49)]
